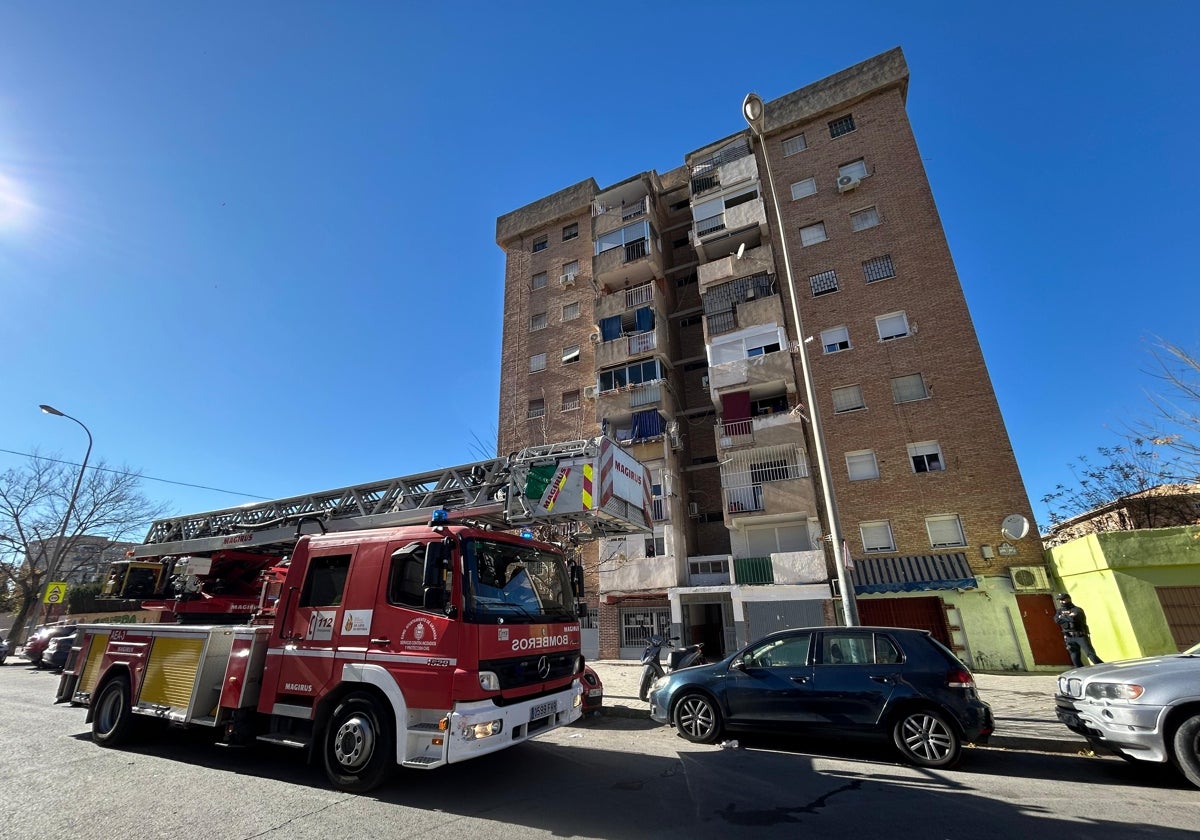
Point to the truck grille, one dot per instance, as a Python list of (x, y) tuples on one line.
[(517, 673)]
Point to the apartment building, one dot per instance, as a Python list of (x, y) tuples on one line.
[(658, 311)]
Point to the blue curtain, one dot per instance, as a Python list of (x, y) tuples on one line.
[(610, 328), (644, 319), (647, 424)]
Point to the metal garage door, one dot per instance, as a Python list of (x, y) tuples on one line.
[(919, 613), (1181, 608), (763, 617)]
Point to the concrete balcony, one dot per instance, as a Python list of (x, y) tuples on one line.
[(709, 570), (633, 262), (731, 166), (625, 401), (606, 218), (748, 313), (767, 369), (722, 234), (790, 567), (779, 429), (622, 573), (754, 261), (619, 350), (618, 302), (746, 503)]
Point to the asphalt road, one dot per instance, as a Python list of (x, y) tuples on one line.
[(609, 777)]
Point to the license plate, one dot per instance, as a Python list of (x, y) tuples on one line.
[(543, 709), (596, 692)]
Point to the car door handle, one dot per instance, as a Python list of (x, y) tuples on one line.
[(381, 641), (800, 679), (883, 679)]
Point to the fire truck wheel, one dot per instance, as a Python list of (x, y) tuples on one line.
[(359, 744), (112, 721)]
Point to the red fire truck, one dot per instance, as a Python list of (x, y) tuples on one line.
[(401, 622)]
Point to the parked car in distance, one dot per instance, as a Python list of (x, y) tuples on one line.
[(35, 645), (878, 681), (593, 692), (1141, 709), (57, 651)]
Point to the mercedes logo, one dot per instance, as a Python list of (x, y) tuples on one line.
[(544, 667)]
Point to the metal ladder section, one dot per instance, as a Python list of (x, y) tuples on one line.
[(491, 492)]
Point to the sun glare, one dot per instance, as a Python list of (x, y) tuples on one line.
[(16, 211)]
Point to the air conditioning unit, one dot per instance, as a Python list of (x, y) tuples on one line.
[(566, 280), (589, 392), (1028, 578), (847, 183), (596, 338), (703, 381), (693, 508)]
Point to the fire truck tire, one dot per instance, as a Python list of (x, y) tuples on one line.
[(359, 748), (112, 721)]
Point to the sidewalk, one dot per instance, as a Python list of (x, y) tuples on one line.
[(1022, 703)]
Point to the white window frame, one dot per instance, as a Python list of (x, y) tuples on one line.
[(537, 362), (923, 450), (948, 528), (809, 231), (860, 403), (890, 333), (867, 214), (803, 189), (862, 465), (907, 378), (570, 355), (835, 340), (570, 311), (794, 145), (877, 529), (855, 169), (538, 322)]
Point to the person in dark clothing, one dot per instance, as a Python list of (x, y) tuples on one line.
[(1076, 635)]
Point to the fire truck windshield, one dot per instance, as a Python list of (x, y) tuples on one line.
[(516, 583)]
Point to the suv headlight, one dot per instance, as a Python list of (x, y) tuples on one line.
[(1114, 691)]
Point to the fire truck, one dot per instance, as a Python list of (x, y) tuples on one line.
[(417, 621)]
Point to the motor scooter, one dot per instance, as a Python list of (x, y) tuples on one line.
[(652, 667), (3, 651)]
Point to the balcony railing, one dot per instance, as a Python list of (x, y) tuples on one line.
[(660, 510), (642, 342), (753, 570), (639, 295), (709, 226), (636, 250), (647, 394), (746, 499), (632, 211), (735, 433)]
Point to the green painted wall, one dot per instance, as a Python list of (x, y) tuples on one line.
[(1112, 576)]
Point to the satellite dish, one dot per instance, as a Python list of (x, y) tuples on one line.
[(1014, 527), (741, 250)]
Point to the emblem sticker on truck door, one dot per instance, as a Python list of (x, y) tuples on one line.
[(320, 626), (356, 622)]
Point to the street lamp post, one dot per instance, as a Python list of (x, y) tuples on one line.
[(60, 548), (755, 115)]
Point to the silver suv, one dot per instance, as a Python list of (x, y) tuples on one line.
[(1143, 709)]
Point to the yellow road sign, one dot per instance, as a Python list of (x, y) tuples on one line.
[(56, 592)]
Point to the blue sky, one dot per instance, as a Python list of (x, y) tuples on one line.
[(252, 245)]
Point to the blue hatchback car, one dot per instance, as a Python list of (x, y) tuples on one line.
[(891, 682)]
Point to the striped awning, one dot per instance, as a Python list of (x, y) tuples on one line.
[(912, 574)]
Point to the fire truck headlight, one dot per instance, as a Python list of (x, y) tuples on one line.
[(488, 681), (578, 699), (479, 731)]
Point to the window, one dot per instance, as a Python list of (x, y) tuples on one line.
[(864, 219), (909, 388), (541, 244), (862, 465), (788, 652), (894, 325), (326, 580), (855, 169), (538, 322), (537, 362), (848, 398), (879, 268), (877, 536), (406, 578), (692, 321), (823, 283), (681, 242), (571, 231), (570, 311), (945, 530), (636, 374), (812, 234), (762, 349), (537, 408), (656, 546), (570, 400), (926, 456), (539, 281), (570, 355), (842, 125), (686, 280), (794, 145), (807, 187), (570, 269), (835, 339)]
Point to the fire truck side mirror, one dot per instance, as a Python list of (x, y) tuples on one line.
[(577, 579)]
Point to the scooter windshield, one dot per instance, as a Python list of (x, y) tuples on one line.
[(509, 583)]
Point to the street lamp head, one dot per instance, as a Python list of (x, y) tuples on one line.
[(752, 110), (49, 409)]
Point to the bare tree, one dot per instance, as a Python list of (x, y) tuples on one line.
[(1177, 424), (33, 501)]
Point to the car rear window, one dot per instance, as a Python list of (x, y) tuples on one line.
[(946, 653)]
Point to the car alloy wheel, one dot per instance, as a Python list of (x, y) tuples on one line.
[(926, 739), (697, 719)]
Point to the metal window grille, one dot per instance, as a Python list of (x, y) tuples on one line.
[(537, 362), (570, 312), (541, 244), (710, 225), (538, 322), (637, 626), (539, 281), (570, 401), (842, 125), (570, 231), (823, 283), (879, 268), (537, 408), (635, 250)]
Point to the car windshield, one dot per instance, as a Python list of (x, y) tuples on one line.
[(515, 583)]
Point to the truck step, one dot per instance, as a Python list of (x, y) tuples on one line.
[(424, 727), (283, 740), (422, 761)]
